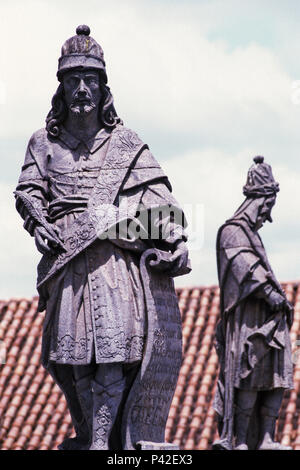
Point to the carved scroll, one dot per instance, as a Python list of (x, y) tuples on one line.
[(147, 407)]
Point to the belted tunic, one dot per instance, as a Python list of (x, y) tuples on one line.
[(95, 306)]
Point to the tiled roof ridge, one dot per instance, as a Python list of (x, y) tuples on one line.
[(212, 286)]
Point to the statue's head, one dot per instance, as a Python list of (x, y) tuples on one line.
[(260, 191), (83, 83)]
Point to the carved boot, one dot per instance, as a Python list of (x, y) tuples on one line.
[(242, 419), (63, 377), (106, 402), (267, 423), (85, 397), (81, 441)]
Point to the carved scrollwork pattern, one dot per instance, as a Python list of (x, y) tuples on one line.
[(110, 346), (70, 349)]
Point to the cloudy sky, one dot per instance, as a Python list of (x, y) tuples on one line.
[(208, 84)]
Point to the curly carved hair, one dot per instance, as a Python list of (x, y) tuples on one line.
[(58, 113)]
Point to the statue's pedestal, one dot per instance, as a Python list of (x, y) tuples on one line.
[(148, 445)]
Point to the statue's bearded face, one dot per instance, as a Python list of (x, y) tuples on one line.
[(81, 91)]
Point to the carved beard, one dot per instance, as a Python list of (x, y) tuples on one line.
[(82, 109)]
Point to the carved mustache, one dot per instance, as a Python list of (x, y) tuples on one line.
[(82, 101)]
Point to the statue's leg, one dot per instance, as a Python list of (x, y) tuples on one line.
[(130, 371), (108, 388), (269, 410), (245, 402), (63, 376), (83, 376)]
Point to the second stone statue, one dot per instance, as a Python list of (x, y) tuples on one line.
[(253, 340)]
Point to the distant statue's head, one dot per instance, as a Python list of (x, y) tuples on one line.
[(260, 181), (83, 83), (260, 191)]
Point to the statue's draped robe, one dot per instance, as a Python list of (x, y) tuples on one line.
[(253, 343), (94, 304)]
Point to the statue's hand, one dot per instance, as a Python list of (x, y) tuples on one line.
[(276, 301), (179, 258), (289, 314), (45, 242)]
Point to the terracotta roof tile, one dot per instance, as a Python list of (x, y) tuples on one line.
[(33, 411)]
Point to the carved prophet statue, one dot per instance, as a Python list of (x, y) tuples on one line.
[(102, 213), (253, 340)]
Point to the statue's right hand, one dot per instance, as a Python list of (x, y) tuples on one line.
[(276, 301), (44, 241)]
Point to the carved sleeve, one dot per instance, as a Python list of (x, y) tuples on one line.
[(265, 291), (34, 183), (240, 270)]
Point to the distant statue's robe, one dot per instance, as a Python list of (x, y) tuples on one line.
[(253, 343)]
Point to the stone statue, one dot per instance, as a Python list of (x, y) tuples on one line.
[(112, 237), (252, 338)]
